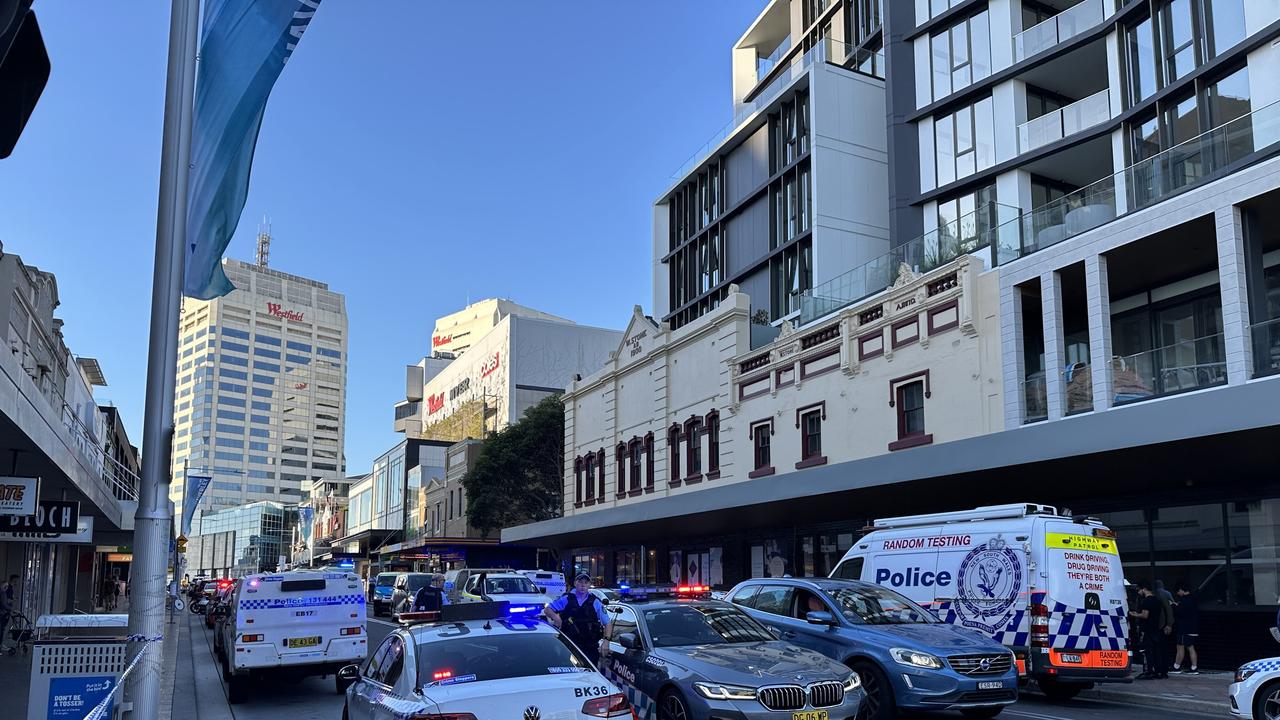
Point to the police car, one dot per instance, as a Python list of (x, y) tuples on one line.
[(1256, 690), (688, 657), (517, 590), (477, 661), (295, 623)]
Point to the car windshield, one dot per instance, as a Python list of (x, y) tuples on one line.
[(701, 625), (496, 657), (386, 580), (499, 586), (874, 605)]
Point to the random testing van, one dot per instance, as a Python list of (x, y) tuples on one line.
[(1046, 585), (294, 623)]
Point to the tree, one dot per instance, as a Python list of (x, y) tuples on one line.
[(518, 474)]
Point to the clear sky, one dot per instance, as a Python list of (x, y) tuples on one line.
[(414, 155)]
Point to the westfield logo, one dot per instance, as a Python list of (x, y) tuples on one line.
[(277, 311)]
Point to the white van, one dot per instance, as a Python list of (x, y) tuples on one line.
[(303, 622), (549, 582), (1048, 586)]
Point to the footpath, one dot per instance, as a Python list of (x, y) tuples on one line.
[(1204, 693)]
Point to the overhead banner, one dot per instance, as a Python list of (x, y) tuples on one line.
[(18, 495), (82, 536), (50, 516), (197, 484)]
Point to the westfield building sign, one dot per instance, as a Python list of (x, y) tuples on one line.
[(275, 310)]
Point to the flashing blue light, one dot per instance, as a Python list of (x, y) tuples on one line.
[(624, 588), (346, 565), (522, 609)]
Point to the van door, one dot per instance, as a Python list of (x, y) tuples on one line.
[(1084, 596)]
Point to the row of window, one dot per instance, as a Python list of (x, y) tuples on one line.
[(1182, 35)]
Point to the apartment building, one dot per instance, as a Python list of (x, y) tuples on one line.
[(261, 389), (1108, 172)]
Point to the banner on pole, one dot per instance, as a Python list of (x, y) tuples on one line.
[(246, 44), (197, 485)]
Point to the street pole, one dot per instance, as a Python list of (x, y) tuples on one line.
[(151, 523), (178, 516)]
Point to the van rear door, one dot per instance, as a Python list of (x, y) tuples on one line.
[(1084, 595)]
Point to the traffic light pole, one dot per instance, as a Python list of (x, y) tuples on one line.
[(152, 521)]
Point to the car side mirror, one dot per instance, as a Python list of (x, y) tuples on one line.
[(629, 641), (349, 673), (818, 617)]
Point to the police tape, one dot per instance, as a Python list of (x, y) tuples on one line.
[(99, 711)]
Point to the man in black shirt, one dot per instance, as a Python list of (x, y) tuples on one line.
[(1186, 613), (1155, 625)]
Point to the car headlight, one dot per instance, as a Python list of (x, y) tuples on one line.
[(915, 658), (853, 683), (716, 691), (1245, 673)]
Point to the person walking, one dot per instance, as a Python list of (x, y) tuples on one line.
[(581, 618), (109, 589), (1155, 625), (1186, 613), (7, 593)]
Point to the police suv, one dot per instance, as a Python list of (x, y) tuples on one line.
[(476, 661), (1047, 585), (295, 623)]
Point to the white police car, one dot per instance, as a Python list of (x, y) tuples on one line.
[(476, 661), (1256, 691)]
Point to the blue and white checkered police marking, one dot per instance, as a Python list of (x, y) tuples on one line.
[(1268, 665), (276, 603), (1084, 629)]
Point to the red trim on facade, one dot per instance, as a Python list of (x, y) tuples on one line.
[(804, 375), (911, 441), (600, 456), (862, 343), (693, 479), (893, 332), (806, 408), (894, 383), (744, 382), (822, 336), (762, 472), (812, 462), (648, 449), (777, 377), (636, 492), (713, 475), (934, 312)]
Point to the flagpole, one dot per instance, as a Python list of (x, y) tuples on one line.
[(153, 518)]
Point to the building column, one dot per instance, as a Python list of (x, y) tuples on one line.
[(1234, 286), (1098, 294), (1011, 353), (1051, 312)]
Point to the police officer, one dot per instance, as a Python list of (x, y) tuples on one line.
[(581, 617), (430, 597)]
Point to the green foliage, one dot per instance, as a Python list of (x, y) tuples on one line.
[(517, 477)]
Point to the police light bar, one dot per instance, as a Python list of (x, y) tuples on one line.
[(692, 589), (419, 617)]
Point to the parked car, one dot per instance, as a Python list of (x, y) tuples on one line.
[(455, 579), (382, 591), (906, 657)]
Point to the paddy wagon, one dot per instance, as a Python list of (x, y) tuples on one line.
[(295, 623), (1046, 585)]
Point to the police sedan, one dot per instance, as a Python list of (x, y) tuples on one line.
[(694, 658), (475, 661), (1256, 691)]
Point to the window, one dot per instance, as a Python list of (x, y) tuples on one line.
[(964, 141), (1226, 22), (1177, 39), (966, 222), (620, 457), (810, 435), (850, 569), (773, 599), (673, 454), (624, 622), (1226, 100), (760, 439), (693, 434), (713, 443), (636, 448), (746, 596), (911, 409), (1142, 61), (591, 477), (577, 481), (792, 275), (960, 55)]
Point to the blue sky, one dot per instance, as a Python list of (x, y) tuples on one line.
[(413, 155)]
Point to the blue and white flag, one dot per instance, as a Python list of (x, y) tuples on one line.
[(196, 485), (305, 514), (246, 44)]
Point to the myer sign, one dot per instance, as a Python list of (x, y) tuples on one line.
[(18, 495)]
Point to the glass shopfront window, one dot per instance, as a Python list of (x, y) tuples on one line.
[(1190, 546), (1254, 531), (626, 567)]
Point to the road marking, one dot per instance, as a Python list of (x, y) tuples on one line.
[(1035, 716)]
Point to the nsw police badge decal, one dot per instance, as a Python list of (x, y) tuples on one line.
[(988, 583)]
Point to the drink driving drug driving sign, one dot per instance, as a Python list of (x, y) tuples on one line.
[(18, 495)]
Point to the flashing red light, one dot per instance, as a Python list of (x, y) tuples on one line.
[(610, 706), (442, 675), (693, 589)]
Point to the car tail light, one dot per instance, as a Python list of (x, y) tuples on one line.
[(610, 706), (1039, 626), (251, 638), (351, 631)]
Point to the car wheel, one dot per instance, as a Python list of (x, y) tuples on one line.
[(982, 712), (1058, 691), (1266, 702), (671, 707), (879, 703)]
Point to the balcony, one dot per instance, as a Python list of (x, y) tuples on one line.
[(1180, 367), (765, 65), (1065, 122), (1060, 28), (965, 235), (828, 50)]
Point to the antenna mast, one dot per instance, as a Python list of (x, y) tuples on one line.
[(264, 241)]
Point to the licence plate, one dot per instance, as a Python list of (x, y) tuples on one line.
[(1071, 659), (302, 642), (991, 685), (809, 715)]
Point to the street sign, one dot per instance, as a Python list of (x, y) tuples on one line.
[(49, 516), (83, 534), (18, 495)]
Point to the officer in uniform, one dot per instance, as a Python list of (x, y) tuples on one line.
[(430, 598), (581, 617)]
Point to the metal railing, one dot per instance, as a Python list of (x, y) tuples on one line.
[(1065, 122), (828, 50), (1266, 347), (1178, 367), (1078, 384), (1060, 28)]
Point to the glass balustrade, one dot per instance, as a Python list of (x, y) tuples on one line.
[(1059, 28), (1065, 122)]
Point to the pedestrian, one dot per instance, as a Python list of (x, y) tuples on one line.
[(1155, 625), (581, 618), (1169, 640), (430, 597), (7, 592), (109, 590), (1186, 613)]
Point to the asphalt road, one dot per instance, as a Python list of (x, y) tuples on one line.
[(315, 699)]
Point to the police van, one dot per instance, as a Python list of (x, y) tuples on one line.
[(1047, 585), (295, 623)]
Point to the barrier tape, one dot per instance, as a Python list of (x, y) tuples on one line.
[(99, 711)]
